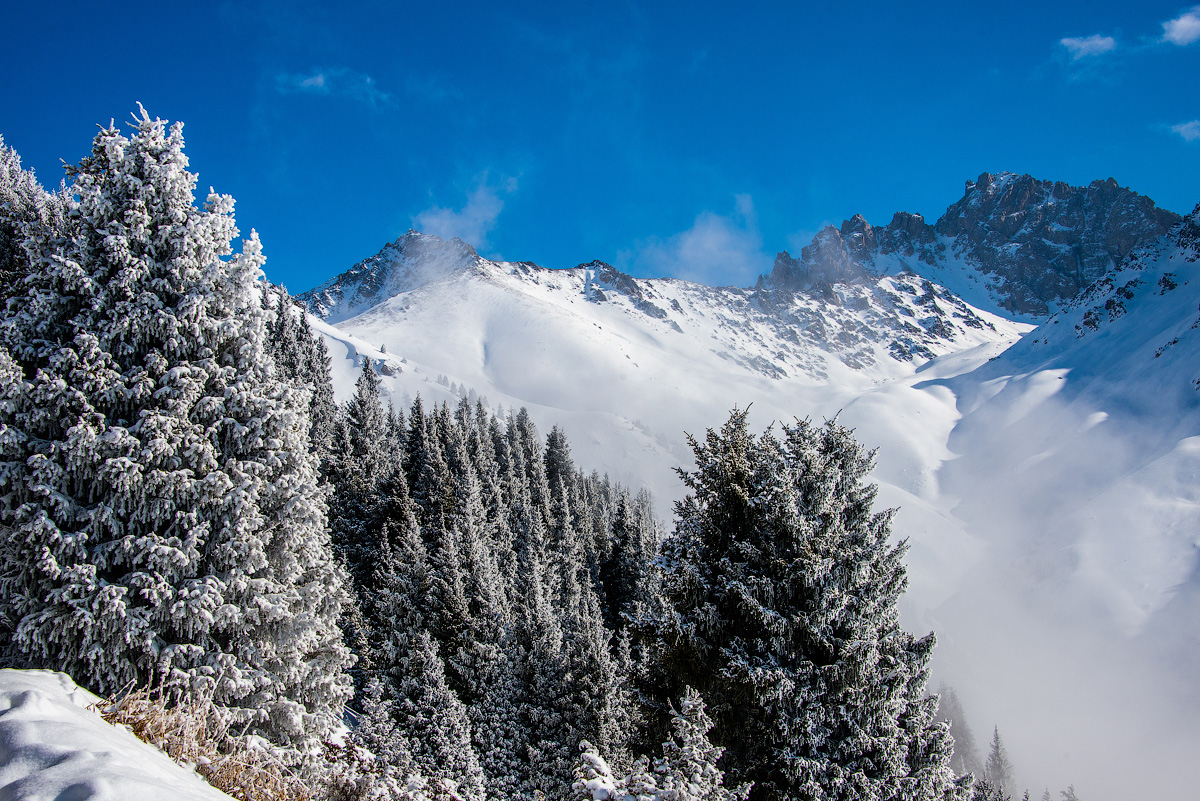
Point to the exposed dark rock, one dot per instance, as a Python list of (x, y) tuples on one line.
[(1035, 243)]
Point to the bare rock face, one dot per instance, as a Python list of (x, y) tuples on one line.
[(1035, 243), (411, 261), (834, 257), (1048, 240)]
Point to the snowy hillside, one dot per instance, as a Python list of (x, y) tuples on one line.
[(53, 746), (1048, 489), (626, 366), (1076, 462)]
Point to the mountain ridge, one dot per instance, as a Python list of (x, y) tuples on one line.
[(1013, 244), (1027, 244), (1044, 476)]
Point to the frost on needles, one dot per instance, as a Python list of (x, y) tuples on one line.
[(161, 514), (781, 585), (183, 505)]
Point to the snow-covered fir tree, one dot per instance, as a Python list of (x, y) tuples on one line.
[(998, 770), (966, 753), (357, 472), (26, 211), (783, 586), (303, 359), (160, 519), (687, 770)]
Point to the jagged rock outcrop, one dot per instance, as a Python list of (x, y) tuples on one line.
[(1046, 240), (601, 275), (1032, 243)]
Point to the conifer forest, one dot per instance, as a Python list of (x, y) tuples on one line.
[(428, 600)]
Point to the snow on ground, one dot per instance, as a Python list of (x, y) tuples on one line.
[(53, 747), (1047, 483)]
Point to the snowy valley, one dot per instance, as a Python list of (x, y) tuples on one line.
[(447, 527), (1044, 464)]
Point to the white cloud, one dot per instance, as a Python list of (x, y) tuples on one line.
[(716, 250), (1084, 46), (474, 221), (1184, 29), (1190, 131), (339, 81)]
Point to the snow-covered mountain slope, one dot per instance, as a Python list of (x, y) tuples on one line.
[(1012, 244), (53, 746), (1047, 484), (1076, 467), (628, 365)]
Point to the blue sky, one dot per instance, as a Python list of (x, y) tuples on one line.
[(691, 139)]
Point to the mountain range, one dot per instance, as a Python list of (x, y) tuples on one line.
[(1027, 367)]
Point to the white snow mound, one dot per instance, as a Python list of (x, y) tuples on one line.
[(53, 747)]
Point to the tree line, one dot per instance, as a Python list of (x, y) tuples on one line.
[(184, 504)]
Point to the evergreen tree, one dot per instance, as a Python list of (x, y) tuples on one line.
[(435, 719), (999, 770), (27, 212), (600, 705), (687, 770), (303, 359), (368, 429), (500, 733), (357, 474), (966, 752), (783, 590), (541, 661), (985, 791), (411, 715), (160, 518), (323, 408), (626, 574), (426, 471)]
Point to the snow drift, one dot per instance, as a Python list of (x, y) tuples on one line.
[(54, 745)]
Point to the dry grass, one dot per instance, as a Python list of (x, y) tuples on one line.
[(192, 734)]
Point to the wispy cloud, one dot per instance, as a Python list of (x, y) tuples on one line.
[(337, 81), (474, 220), (1085, 46), (1184, 29), (1190, 131), (716, 250)]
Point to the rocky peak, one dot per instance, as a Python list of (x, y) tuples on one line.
[(413, 260), (609, 277), (1042, 242), (1035, 243), (858, 235), (833, 257), (604, 276), (1188, 233), (911, 225)]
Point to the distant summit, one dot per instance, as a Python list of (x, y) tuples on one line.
[(1013, 243), (410, 262)]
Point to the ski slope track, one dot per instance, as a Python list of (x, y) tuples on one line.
[(1046, 475)]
